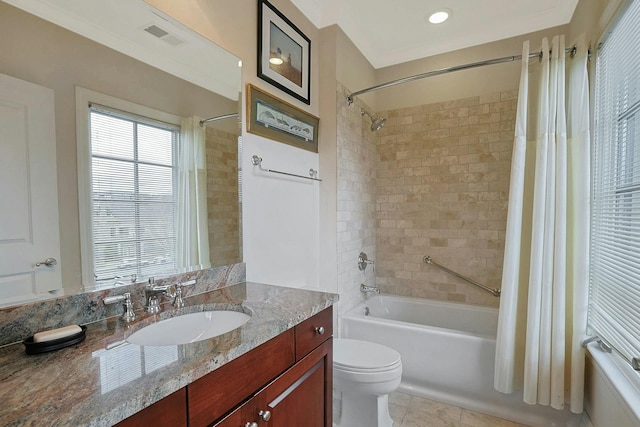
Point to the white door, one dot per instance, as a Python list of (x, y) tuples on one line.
[(29, 229)]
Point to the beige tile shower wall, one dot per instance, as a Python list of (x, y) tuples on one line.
[(442, 190), (356, 199), (223, 205)]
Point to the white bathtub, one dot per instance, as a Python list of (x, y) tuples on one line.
[(448, 352)]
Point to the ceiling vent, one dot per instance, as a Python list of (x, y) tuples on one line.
[(163, 35)]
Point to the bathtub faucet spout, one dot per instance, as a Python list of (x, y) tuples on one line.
[(364, 288)]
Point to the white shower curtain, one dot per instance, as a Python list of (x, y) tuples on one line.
[(192, 231), (545, 276)]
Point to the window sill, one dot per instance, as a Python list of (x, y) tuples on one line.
[(620, 375)]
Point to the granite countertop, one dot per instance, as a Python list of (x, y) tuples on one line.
[(104, 379)]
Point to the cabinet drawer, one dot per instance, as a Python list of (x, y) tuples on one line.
[(213, 395), (313, 332)]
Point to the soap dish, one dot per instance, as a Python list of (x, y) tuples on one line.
[(52, 345)]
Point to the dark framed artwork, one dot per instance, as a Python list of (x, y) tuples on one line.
[(280, 121), (284, 53)]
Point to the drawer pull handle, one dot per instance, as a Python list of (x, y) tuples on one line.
[(264, 415), (253, 424), (319, 330)]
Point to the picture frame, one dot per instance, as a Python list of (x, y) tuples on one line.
[(284, 53), (280, 121)]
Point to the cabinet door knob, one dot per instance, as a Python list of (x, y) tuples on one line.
[(319, 330), (253, 424), (265, 415)]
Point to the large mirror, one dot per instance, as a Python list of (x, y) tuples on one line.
[(127, 51)]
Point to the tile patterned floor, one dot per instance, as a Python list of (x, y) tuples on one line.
[(413, 411)]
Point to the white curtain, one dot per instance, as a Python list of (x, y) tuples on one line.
[(543, 304), (192, 235)]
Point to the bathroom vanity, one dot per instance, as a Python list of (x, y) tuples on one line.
[(299, 360), (275, 370)]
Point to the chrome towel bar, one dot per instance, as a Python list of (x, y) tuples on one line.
[(257, 161), (494, 292)]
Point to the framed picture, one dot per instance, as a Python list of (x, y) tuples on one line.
[(284, 53), (278, 120)]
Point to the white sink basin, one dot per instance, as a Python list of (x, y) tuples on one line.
[(189, 328)]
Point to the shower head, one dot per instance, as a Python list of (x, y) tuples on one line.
[(376, 122)]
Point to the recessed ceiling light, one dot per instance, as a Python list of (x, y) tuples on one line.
[(439, 16), (276, 61)]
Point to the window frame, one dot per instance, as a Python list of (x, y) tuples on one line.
[(84, 98), (624, 196)]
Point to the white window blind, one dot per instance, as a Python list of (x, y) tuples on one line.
[(614, 299), (133, 194)]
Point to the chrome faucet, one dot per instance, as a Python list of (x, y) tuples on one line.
[(152, 292), (178, 302), (129, 315), (366, 289), (364, 261)]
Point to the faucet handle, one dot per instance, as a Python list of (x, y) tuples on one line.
[(363, 261), (129, 315), (178, 302)]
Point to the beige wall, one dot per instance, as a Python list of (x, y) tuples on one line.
[(354, 70), (223, 204), (234, 27), (355, 186), (280, 216), (442, 170), (442, 190), (461, 84), (47, 55), (356, 192)]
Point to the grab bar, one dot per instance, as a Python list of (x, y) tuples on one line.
[(257, 161), (494, 292)]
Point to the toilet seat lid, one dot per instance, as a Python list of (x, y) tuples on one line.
[(357, 354)]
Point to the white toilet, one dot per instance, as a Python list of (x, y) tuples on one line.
[(364, 373)]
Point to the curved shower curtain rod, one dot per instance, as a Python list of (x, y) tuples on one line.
[(213, 119), (570, 50)]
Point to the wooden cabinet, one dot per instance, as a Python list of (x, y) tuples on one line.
[(285, 382), (168, 412), (218, 392), (302, 395), (313, 332)]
